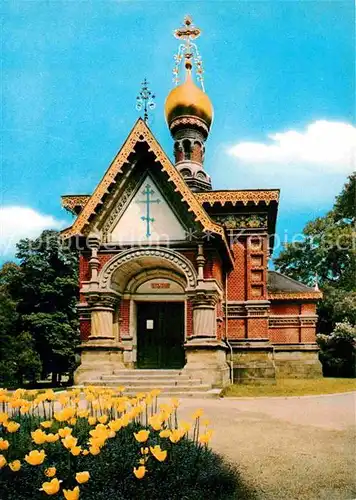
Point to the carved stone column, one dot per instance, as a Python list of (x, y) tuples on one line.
[(102, 316), (102, 354)]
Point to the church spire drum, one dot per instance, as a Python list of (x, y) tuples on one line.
[(188, 110)]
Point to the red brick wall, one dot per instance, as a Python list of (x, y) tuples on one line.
[(84, 272), (236, 283), (85, 329), (256, 267), (189, 319), (307, 335), (285, 308), (284, 335), (308, 308), (104, 258), (213, 267), (191, 256), (257, 328), (236, 328)]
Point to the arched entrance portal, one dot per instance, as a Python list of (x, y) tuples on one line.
[(152, 285), (160, 322)]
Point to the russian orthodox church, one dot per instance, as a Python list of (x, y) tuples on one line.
[(174, 274)]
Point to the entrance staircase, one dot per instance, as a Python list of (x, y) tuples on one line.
[(172, 383)]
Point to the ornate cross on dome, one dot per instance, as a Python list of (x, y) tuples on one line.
[(188, 50)]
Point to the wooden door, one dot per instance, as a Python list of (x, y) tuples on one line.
[(160, 335)]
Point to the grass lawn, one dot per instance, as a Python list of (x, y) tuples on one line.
[(293, 387)]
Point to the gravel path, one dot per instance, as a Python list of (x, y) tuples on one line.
[(287, 448)]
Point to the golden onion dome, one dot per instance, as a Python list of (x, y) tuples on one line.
[(188, 100)]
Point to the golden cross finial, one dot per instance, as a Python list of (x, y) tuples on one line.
[(188, 50)]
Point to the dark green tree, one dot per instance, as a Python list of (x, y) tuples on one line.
[(328, 251), (47, 298), (19, 361)]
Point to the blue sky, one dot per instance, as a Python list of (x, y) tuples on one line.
[(280, 74)]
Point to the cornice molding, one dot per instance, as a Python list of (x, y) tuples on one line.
[(295, 295), (74, 203), (222, 197)]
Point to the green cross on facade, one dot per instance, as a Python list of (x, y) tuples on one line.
[(148, 192)]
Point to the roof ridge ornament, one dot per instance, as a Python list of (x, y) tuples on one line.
[(188, 50), (145, 100)]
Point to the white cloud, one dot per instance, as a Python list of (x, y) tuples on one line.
[(324, 146), (18, 222)]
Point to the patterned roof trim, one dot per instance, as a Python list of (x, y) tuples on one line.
[(234, 197), (74, 203), (295, 296), (141, 133)]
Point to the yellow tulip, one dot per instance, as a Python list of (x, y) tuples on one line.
[(103, 419), (50, 472), (52, 438), (82, 413), (92, 420), (85, 452), (159, 454), (71, 494), (165, 433), (141, 436), (4, 417), (51, 487), (25, 409), (69, 442), (155, 422), (186, 426), (140, 471), (46, 424), (66, 431), (38, 436), (3, 461), (15, 465), (144, 451), (35, 457), (197, 414), (72, 421), (176, 435), (12, 427), (175, 402), (75, 451), (94, 450), (115, 425), (4, 444), (155, 392), (82, 477)]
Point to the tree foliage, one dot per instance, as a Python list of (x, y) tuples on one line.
[(38, 304), (338, 351), (328, 251)]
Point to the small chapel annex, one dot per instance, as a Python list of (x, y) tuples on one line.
[(174, 274)]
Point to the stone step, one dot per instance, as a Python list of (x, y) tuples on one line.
[(147, 372), (150, 380), (171, 388)]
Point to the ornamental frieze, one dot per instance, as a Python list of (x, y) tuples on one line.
[(243, 221), (242, 196)]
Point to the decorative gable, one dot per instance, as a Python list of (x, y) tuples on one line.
[(148, 217)]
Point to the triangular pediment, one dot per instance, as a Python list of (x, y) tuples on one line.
[(122, 177), (148, 217)]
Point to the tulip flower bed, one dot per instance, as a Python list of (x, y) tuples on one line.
[(99, 444)]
